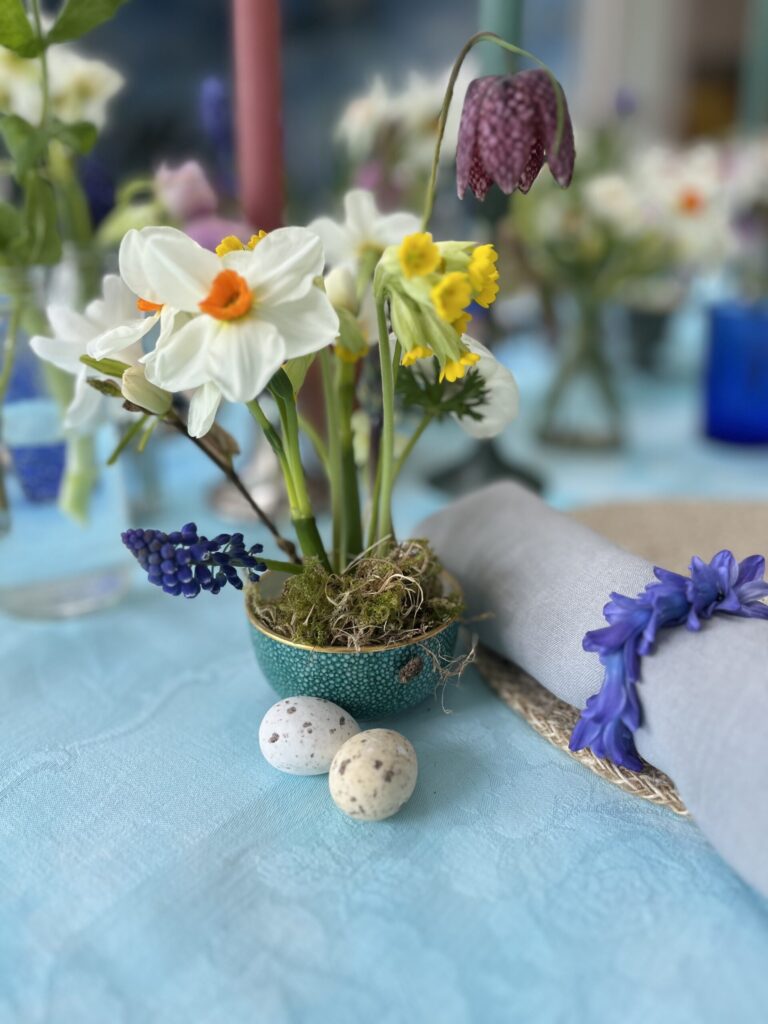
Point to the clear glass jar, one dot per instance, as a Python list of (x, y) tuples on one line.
[(51, 565)]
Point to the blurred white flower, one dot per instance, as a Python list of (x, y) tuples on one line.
[(365, 231), (614, 199), (341, 289), (503, 401), (237, 317), (362, 119), (185, 191), (72, 334), (80, 87)]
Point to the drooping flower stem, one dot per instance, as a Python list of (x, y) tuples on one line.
[(333, 431), (479, 37), (385, 470)]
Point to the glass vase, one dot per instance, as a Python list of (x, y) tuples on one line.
[(53, 563), (581, 407)]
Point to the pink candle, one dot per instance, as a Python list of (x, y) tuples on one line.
[(258, 110)]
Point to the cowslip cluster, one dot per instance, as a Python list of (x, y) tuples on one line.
[(608, 722), (183, 562)]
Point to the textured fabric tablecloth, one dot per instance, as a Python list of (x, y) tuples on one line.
[(153, 868)]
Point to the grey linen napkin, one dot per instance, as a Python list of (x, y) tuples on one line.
[(545, 578)]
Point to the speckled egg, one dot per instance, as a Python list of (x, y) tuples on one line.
[(301, 735), (373, 774)]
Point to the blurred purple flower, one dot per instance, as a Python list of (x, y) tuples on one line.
[(209, 231), (612, 715), (185, 191), (215, 111), (508, 129), (625, 103)]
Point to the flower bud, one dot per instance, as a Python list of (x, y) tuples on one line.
[(137, 390), (341, 290)]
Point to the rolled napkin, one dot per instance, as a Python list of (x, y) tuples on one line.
[(545, 579)]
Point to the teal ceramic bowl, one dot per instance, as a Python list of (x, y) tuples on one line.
[(370, 683)]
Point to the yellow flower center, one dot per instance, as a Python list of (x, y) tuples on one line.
[(455, 369), (418, 254), (233, 244), (451, 295), (417, 352), (483, 274), (229, 298), (346, 355)]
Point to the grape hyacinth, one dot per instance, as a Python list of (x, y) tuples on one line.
[(608, 722), (184, 562)]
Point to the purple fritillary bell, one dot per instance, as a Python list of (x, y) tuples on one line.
[(508, 130)]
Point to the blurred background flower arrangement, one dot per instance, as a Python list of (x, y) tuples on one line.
[(650, 235)]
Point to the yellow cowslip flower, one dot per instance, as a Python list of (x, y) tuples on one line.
[(455, 369), (417, 352), (461, 323), (451, 295), (418, 255), (483, 274), (233, 244)]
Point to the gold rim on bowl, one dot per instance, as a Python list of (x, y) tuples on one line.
[(372, 649)]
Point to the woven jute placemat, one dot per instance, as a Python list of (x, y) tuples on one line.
[(667, 533)]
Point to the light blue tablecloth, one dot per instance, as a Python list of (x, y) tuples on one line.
[(154, 868)]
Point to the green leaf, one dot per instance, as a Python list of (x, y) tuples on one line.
[(79, 136), (41, 220), (109, 367), (25, 143), (297, 369), (10, 224), (80, 16), (16, 32)]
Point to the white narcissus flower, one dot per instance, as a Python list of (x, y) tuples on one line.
[(19, 86), (364, 231), (363, 118), (613, 198), (503, 398), (72, 334), (81, 87), (236, 318)]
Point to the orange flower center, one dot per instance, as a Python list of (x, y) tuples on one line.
[(145, 306), (229, 297), (690, 201)]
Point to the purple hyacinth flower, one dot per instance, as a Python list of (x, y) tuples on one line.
[(723, 585), (611, 716), (508, 129)]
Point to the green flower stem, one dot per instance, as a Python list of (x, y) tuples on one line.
[(80, 476), (316, 441), (479, 37), (353, 529), (387, 444), (335, 481), (412, 441), (9, 357), (135, 428), (276, 445), (275, 566), (289, 456)]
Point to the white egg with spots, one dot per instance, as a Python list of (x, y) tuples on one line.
[(301, 735), (373, 774)]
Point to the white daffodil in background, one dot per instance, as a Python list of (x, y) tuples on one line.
[(364, 233), (238, 314), (502, 403), (363, 118), (72, 335), (80, 87)]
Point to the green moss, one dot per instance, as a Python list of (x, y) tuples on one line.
[(378, 600)]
